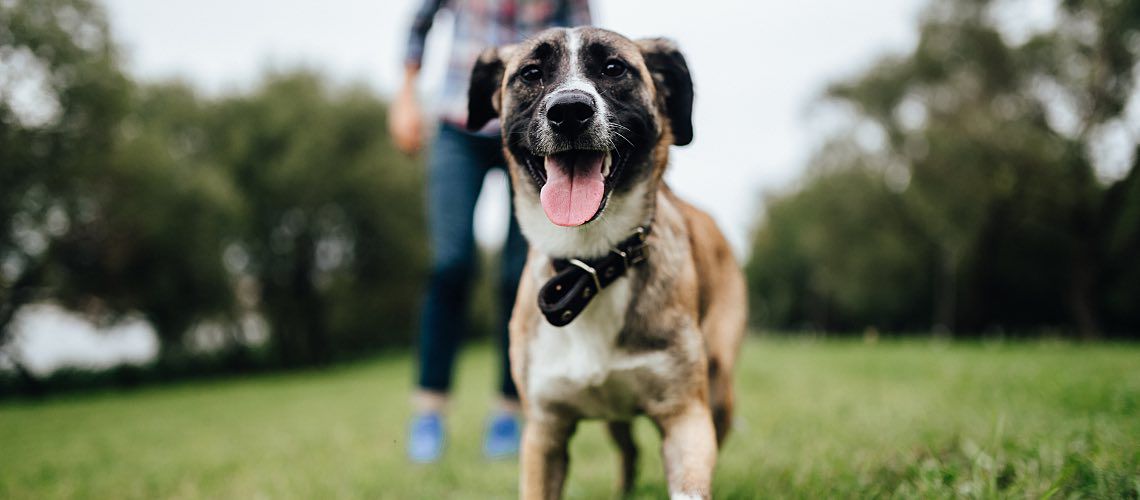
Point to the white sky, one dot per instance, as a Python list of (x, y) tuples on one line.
[(48, 337), (757, 67)]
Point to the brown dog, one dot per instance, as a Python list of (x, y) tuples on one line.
[(631, 301)]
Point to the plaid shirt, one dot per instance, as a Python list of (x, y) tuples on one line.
[(485, 23)]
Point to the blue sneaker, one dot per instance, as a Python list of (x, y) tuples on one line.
[(501, 439), (425, 439)]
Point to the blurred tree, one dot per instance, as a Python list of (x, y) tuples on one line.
[(1003, 196), (335, 236), (1120, 275), (106, 203), (840, 253), (61, 99), (160, 216), (288, 202)]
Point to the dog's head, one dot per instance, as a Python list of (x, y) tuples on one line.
[(587, 119)]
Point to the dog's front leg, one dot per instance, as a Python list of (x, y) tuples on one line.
[(544, 458), (689, 451)]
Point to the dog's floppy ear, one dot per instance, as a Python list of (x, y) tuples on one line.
[(671, 76), (483, 96)]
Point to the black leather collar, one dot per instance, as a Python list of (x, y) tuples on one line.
[(577, 281)]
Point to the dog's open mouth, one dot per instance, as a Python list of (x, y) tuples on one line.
[(574, 185)]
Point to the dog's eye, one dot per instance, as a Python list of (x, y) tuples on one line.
[(531, 73), (614, 69)]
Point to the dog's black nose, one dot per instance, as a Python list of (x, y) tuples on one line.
[(570, 112)]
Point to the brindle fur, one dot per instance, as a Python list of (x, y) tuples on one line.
[(687, 300)]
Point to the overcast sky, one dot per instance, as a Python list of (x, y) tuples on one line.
[(757, 66)]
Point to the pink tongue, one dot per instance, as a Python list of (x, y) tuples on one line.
[(574, 187)]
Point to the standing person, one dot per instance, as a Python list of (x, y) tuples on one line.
[(457, 162)]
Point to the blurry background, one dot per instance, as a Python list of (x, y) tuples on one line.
[(937, 203), (204, 187)]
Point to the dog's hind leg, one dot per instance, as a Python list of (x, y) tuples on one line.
[(622, 433), (724, 311), (720, 399), (724, 329)]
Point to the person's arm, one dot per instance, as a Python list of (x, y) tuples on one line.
[(405, 119), (421, 24)]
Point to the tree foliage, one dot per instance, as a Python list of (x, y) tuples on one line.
[(982, 209), (284, 206), (334, 228)]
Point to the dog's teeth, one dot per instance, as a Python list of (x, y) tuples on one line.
[(606, 162)]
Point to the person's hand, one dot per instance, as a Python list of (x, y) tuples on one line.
[(406, 121)]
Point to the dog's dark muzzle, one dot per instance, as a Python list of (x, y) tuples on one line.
[(570, 113)]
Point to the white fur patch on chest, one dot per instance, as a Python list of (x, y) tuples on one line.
[(579, 365)]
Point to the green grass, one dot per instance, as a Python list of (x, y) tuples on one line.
[(815, 419)]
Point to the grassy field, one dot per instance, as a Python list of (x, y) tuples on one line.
[(816, 419)]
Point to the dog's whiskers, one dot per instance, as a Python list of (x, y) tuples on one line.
[(616, 124), (624, 138), (612, 129)]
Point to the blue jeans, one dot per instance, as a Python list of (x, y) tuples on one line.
[(458, 161)]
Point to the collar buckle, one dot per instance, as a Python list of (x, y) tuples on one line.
[(593, 272)]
